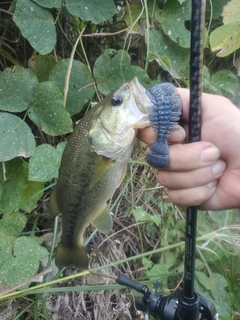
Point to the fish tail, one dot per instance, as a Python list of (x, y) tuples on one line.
[(75, 256)]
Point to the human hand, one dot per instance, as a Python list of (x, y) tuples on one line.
[(204, 173)]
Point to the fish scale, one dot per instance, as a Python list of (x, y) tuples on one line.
[(94, 163)]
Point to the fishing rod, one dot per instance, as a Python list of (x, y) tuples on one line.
[(183, 304)]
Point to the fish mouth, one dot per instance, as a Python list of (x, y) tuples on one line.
[(143, 102)]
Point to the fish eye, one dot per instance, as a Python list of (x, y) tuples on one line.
[(116, 101)]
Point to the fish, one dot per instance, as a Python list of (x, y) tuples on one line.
[(93, 166)]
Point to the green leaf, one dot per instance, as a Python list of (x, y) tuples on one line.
[(16, 138), (158, 270), (141, 215), (6, 247), (221, 300), (173, 20), (49, 3), (135, 14), (42, 66), (16, 86), (147, 263), (225, 39), (47, 109), (33, 249), (16, 191), (44, 164), (24, 264), (231, 12), (17, 270), (80, 89), (168, 54), (217, 7), (203, 279), (36, 25), (96, 11), (225, 81), (113, 68), (156, 219), (13, 223)]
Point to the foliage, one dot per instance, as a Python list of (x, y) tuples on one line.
[(70, 53), (225, 39), (18, 264)]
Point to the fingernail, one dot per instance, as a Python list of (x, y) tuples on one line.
[(177, 134), (212, 184), (210, 154), (219, 167)]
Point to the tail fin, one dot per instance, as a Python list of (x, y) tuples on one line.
[(71, 256)]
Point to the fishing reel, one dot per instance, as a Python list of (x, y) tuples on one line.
[(173, 307)]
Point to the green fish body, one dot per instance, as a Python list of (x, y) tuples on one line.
[(93, 165)]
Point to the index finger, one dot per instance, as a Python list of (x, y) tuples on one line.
[(184, 93)]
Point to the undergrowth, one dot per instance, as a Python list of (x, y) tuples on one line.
[(52, 69)]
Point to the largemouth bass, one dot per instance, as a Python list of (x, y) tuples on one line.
[(93, 166)]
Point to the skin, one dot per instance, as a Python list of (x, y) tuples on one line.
[(206, 173)]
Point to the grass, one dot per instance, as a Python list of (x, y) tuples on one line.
[(147, 244), (142, 250)]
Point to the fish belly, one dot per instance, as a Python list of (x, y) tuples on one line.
[(80, 202)]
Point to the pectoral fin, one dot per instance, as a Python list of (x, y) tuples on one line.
[(101, 168), (103, 222)]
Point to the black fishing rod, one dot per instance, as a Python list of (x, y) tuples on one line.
[(183, 304)]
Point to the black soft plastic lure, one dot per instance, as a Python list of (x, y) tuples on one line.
[(165, 114)]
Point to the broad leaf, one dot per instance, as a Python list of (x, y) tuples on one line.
[(42, 66), (231, 12), (95, 11), (225, 39), (80, 87), (113, 68), (34, 249), (47, 109), (16, 191), (160, 269), (16, 86), (225, 81), (24, 264), (6, 247), (16, 138), (13, 223), (36, 25), (141, 215), (49, 3), (204, 280), (217, 7), (168, 54), (218, 286), (44, 164), (173, 20), (136, 14)]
